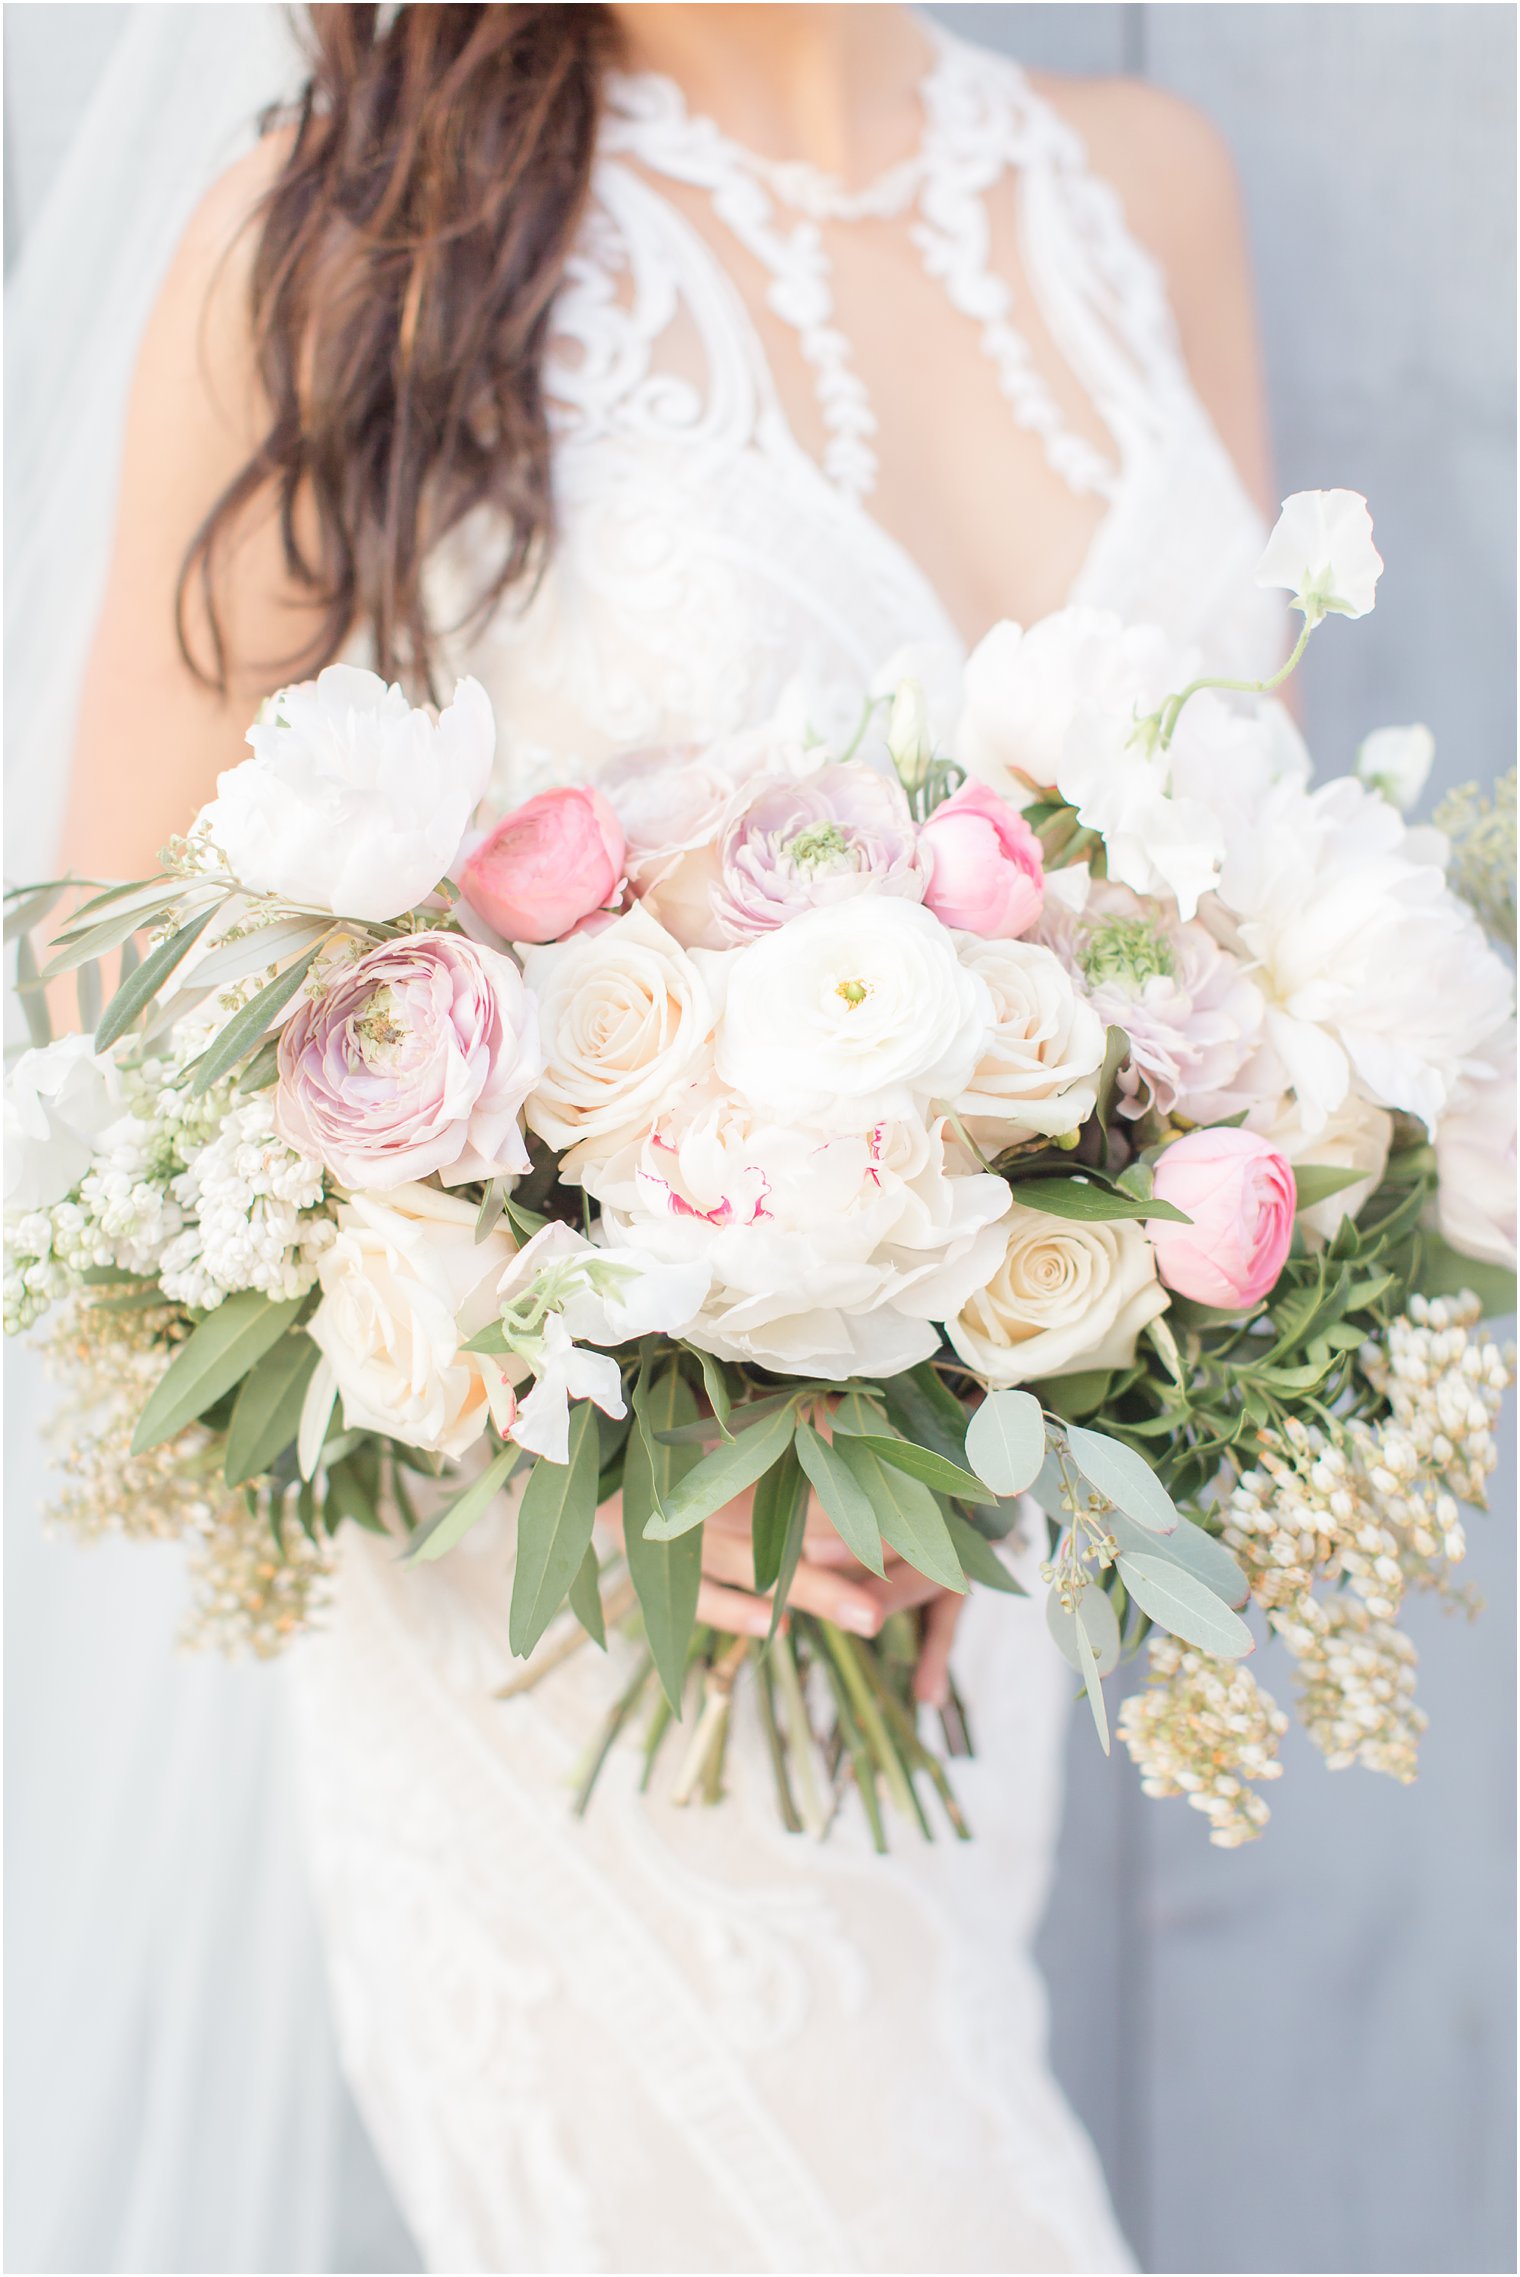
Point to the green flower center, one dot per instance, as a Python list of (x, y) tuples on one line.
[(1129, 950), (822, 846), (379, 1033), (853, 991)]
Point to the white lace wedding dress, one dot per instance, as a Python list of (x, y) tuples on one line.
[(662, 2039)]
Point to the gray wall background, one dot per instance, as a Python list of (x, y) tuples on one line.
[(1299, 2056)]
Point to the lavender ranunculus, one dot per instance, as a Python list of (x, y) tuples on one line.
[(812, 843), (415, 1059)]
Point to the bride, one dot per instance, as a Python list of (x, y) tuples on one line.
[(662, 365)]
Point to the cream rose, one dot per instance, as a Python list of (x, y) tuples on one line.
[(405, 1285), (624, 1015), (1038, 1073), (1066, 1295)]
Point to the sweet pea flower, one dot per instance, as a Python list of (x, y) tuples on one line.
[(987, 869), (353, 801), (415, 1059), (1395, 761), (547, 865), (1239, 1193), (1322, 553)]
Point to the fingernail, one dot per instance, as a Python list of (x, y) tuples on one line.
[(861, 1619)]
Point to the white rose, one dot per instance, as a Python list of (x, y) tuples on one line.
[(58, 1102), (1395, 761), (624, 1015), (1066, 1295), (353, 801), (405, 1285), (827, 1254), (853, 1014), (1039, 1068), (1321, 552), (1475, 1156), (1356, 1136)]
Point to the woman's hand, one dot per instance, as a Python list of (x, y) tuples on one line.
[(829, 1582)]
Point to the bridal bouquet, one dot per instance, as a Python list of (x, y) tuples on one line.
[(1095, 1112)]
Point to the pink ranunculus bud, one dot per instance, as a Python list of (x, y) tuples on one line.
[(1240, 1195), (987, 871), (546, 865)]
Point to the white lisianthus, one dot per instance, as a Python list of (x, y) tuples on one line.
[(59, 1100), (405, 1285), (624, 1015), (1395, 761), (1356, 1136), (828, 1253), (1067, 1294), (1038, 1073), (353, 801), (1475, 1155), (1373, 971), (852, 1014), (1321, 551)]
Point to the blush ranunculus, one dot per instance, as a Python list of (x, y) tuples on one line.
[(415, 1059), (987, 871), (546, 865), (1240, 1194)]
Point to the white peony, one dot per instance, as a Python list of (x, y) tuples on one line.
[(1373, 971), (1356, 1136), (353, 801), (1396, 762), (1066, 1295), (1022, 689), (1321, 551), (405, 1285), (59, 1100), (829, 1253), (1038, 1073), (624, 1014), (1475, 1156), (852, 1015)]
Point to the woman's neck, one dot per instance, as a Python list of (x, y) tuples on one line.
[(834, 86)]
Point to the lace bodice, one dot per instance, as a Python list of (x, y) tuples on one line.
[(667, 2039), (706, 562)]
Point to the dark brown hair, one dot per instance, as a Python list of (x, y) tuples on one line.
[(406, 258)]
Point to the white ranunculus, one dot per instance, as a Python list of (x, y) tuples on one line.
[(405, 1285), (1395, 761), (1066, 1295), (1372, 969), (1475, 1155), (1321, 552), (354, 801), (828, 1253), (58, 1102), (852, 1014), (1038, 1073), (1355, 1137)]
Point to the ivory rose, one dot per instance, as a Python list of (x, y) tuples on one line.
[(986, 868), (354, 801), (415, 1059), (1239, 1193), (830, 1253), (1067, 1294), (546, 865), (1038, 1073), (624, 1014), (405, 1285), (852, 1015)]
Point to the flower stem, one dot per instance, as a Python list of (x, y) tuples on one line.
[(1171, 710)]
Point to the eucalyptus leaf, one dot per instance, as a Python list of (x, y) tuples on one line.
[(554, 1523), (722, 1476), (439, 1534), (845, 1501), (1185, 1606), (908, 1515), (1005, 1441), (1192, 1547), (666, 1575), (140, 988), (1091, 1654), (1124, 1477), (217, 1354), (268, 1410)]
